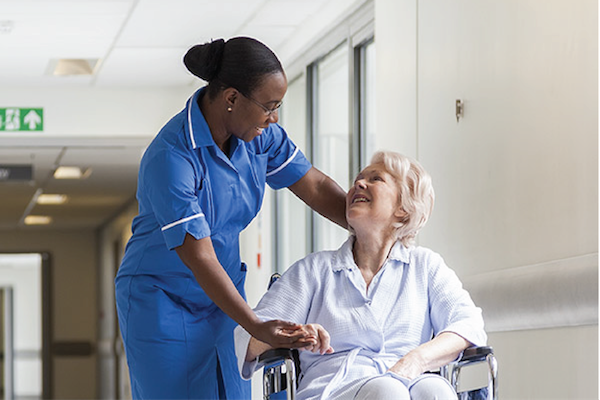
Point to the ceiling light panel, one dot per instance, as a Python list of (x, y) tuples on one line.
[(6, 26), (69, 172), (52, 199), (73, 66), (37, 220)]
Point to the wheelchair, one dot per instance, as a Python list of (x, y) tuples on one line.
[(282, 370)]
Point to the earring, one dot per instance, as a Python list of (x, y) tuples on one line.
[(229, 109)]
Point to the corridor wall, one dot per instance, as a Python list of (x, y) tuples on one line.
[(516, 175)]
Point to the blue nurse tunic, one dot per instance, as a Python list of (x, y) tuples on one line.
[(179, 344)]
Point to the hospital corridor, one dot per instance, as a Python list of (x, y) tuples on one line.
[(139, 138)]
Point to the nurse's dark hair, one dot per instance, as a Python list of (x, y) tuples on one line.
[(240, 62)]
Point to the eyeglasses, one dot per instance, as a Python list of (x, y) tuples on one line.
[(268, 111)]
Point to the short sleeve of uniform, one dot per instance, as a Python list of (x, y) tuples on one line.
[(286, 163), (171, 184)]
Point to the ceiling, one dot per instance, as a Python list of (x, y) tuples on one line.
[(118, 36)]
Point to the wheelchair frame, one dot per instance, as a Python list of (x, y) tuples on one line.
[(282, 368)]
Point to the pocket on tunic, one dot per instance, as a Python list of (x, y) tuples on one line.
[(154, 315), (259, 168), (240, 283)]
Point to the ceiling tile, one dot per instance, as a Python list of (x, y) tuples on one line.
[(285, 12), (157, 23), (145, 67)]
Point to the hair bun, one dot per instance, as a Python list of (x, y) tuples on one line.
[(204, 60)]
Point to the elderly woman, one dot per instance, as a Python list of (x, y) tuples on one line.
[(381, 312)]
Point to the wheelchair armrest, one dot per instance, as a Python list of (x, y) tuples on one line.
[(281, 370), (476, 353), (275, 354)]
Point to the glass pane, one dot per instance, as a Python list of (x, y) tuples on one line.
[(369, 103), (22, 273), (292, 213), (333, 136), (4, 357)]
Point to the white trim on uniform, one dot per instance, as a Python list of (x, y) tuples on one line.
[(190, 122), (181, 221), (282, 166)]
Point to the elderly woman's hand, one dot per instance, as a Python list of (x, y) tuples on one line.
[(410, 366), (431, 355), (316, 338)]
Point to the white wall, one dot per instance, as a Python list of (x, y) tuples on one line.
[(93, 112), (516, 178)]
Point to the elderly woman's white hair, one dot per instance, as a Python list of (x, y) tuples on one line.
[(416, 195)]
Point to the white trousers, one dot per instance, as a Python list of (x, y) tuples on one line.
[(389, 387)]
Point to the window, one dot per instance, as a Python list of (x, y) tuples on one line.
[(331, 147), (329, 112), (291, 220)]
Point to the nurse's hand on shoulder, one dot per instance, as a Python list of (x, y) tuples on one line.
[(280, 334)]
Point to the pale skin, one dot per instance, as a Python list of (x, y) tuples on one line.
[(232, 114), (372, 206)]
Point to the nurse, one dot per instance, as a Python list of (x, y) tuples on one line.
[(180, 286)]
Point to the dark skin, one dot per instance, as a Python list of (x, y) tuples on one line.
[(233, 114)]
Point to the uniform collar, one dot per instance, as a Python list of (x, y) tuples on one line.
[(345, 259), (196, 128)]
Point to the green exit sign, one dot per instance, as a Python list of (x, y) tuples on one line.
[(21, 119)]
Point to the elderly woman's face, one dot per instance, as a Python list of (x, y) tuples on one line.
[(373, 199)]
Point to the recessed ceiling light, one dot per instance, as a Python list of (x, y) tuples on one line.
[(73, 66), (52, 199), (6, 26), (65, 172), (37, 220)]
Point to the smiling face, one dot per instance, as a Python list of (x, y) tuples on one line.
[(252, 112), (373, 201)]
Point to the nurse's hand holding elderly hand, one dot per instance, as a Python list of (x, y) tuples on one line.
[(317, 339), (314, 339)]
